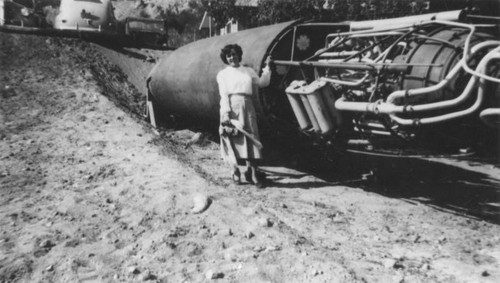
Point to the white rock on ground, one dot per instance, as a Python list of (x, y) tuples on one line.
[(200, 203)]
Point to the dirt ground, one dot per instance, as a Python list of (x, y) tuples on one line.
[(89, 192)]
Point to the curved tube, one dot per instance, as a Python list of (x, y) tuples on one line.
[(480, 95), (445, 81), (448, 116), (463, 61), (487, 116), (475, 73), (340, 82), (389, 108)]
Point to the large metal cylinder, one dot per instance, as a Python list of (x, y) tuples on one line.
[(184, 81)]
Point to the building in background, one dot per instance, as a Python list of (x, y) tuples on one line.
[(209, 29)]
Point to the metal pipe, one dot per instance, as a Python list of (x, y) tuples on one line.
[(442, 41), (394, 28), (344, 105), (426, 90), (358, 53), (395, 43), (358, 142), (445, 117), (389, 108), (487, 114), (347, 65), (405, 21), (375, 132), (347, 83), (466, 48), (341, 24), (326, 50), (481, 17), (464, 60), (480, 96), (475, 73), (337, 54), (369, 33), (377, 34), (371, 125)]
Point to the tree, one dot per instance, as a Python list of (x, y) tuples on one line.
[(275, 11), (221, 10)]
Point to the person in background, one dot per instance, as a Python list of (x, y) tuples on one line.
[(238, 121)]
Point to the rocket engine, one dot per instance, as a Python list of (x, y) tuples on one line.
[(401, 80), (422, 81)]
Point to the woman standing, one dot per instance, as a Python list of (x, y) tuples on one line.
[(239, 132)]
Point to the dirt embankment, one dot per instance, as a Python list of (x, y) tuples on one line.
[(90, 193)]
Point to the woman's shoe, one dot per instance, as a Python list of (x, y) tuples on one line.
[(259, 184), (248, 176), (254, 178), (236, 176)]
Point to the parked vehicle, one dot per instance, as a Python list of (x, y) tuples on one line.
[(19, 13), (147, 32), (88, 19), (86, 15)]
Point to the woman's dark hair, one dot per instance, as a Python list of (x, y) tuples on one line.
[(227, 49)]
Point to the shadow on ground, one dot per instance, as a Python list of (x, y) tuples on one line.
[(471, 191), (444, 186)]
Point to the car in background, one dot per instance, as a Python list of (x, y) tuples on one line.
[(19, 13), (89, 19), (86, 15), (151, 33)]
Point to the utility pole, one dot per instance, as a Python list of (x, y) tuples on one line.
[(210, 19)]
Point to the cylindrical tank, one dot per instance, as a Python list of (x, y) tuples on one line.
[(312, 111), (329, 99), (320, 110), (184, 81), (309, 111), (297, 106)]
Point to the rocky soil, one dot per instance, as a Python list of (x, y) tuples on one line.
[(89, 192)]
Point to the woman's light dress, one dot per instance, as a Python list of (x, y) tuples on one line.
[(236, 86)]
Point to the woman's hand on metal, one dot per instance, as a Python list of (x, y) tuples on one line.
[(225, 121), (268, 61)]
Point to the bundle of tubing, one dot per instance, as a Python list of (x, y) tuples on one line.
[(480, 96), (374, 65), (487, 115), (491, 117), (389, 108)]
